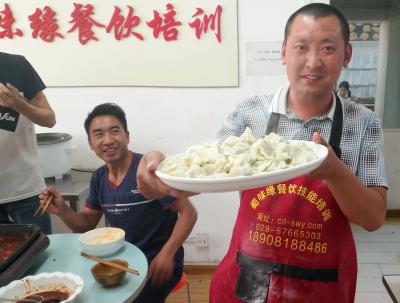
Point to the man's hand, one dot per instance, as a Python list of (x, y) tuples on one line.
[(149, 185), (37, 109), (328, 167), (10, 96), (57, 205), (350, 193), (161, 268)]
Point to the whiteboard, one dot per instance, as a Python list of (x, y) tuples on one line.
[(188, 61)]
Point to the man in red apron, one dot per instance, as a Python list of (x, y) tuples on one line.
[(292, 242)]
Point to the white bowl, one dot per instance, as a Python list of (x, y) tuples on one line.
[(102, 241), (29, 285)]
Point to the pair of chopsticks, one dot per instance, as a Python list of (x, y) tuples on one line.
[(105, 262), (43, 206)]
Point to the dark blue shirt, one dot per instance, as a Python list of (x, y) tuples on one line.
[(17, 71), (148, 224)]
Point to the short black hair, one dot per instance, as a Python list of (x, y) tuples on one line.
[(106, 109), (319, 10), (344, 84)]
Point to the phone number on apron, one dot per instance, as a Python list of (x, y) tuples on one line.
[(293, 244)]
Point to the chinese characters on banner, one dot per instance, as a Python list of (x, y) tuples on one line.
[(151, 43), (44, 23)]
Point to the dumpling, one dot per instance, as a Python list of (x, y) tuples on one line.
[(196, 172), (238, 156)]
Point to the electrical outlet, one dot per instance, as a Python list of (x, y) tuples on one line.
[(202, 240)]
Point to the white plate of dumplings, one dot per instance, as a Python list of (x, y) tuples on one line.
[(240, 163)]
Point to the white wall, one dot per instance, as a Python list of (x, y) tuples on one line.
[(382, 69), (392, 158), (392, 94), (171, 119)]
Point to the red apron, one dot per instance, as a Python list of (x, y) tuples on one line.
[(290, 243)]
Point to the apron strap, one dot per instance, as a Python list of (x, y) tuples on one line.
[(273, 122), (336, 129)]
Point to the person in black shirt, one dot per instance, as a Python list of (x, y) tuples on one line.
[(22, 104)]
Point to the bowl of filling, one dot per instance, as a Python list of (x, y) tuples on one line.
[(102, 241), (45, 288)]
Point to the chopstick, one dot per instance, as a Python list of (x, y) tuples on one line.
[(43, 206), (105, 262)]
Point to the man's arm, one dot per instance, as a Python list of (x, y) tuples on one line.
[(82, 221), (37, 109), (362, 205), (162, 266)]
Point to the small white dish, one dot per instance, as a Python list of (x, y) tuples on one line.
[(102, 241), (66, 282), (215, 185)]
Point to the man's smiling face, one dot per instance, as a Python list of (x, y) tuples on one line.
[(314, 54), (108, 139)]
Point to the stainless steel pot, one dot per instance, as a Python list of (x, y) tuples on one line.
[(54, 153)]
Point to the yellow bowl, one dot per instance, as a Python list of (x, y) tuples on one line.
[(109, 276)]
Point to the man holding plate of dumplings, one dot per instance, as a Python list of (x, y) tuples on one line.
[(292, 241)]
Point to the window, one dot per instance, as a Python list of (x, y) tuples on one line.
[(362, 70)]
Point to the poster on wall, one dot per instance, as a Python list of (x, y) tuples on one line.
[(263, 58), (180, 43)]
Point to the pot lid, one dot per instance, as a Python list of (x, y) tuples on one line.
[(52, 138)]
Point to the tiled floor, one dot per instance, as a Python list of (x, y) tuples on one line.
[(378, 254)]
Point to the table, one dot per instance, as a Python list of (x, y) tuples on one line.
[(63, 254), (72, 186), (392, 284)]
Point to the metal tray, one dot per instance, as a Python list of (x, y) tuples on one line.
[(32, 256), (29, 230)]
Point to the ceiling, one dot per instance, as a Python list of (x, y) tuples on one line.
[(364, 4)]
